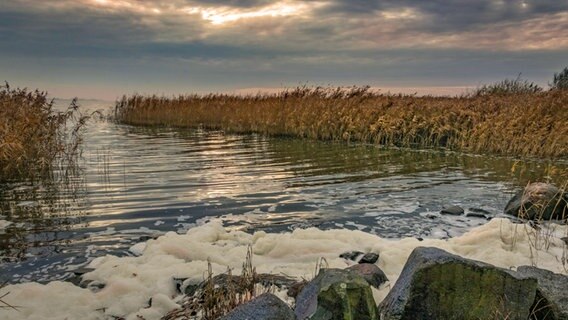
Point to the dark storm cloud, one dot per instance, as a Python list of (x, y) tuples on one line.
[(451, 15), (232, 43)]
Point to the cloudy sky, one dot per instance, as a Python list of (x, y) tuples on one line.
[(104, 48)]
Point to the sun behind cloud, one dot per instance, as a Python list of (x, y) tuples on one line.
[(222, 15)]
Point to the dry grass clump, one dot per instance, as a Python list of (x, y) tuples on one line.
[(213, 299), (528, 124), (33, 136)]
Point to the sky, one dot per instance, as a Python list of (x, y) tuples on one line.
[(105, 48)]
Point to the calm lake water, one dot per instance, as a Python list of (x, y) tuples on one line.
[(138, 183)]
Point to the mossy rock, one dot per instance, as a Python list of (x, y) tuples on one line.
[(551, 302), (539, 201), (435, 284), (336, 294)]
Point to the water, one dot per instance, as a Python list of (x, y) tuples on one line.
[(138, 183)]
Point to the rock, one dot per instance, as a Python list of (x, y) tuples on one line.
[(453, 210), (431, 216), (369, 258), (551, 300), (539, 201), (480, 211), (264, 307), (476, 215), (351, 255), (435, 284), (371, 273), (81, 271), (336, 294)]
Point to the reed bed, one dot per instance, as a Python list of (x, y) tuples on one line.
[(528, 124), (33, 136)]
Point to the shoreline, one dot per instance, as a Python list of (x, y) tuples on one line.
[(129, 282)]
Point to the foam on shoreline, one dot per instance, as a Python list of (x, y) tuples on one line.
[(130, 282)]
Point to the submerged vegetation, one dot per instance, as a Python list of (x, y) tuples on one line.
[(527, 123), (34, 137)]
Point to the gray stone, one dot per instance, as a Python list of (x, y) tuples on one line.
[(351, 255), (551, 300), (370, 257), (453, 210), (539, 201), (435, 284), (264, 307), (480, 211), (336, 294), (371, 273), (476, 214), (81, 271)]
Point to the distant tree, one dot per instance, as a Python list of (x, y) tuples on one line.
[(560, 81), (508, 86)]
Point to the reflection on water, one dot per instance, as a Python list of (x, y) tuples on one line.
[(137, 183)]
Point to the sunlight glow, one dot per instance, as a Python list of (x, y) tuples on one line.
[(406, 13), (224, 15)]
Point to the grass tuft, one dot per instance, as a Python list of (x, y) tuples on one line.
[(218, 295)]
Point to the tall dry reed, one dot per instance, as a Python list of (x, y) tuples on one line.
[(534, 124), (33, 136)]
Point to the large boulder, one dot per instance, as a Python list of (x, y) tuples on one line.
[(435, 284), (539, 201), (551, 300), (264, 307), (336, 294)]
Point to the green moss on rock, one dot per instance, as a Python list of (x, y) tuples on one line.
[(435, 284)]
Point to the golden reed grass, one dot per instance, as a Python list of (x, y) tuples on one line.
[(33, 136), (530, 124)]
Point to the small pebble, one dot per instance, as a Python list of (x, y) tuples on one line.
[(453, 210), (369, 258)]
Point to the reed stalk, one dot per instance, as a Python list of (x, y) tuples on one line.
[(34, 138)]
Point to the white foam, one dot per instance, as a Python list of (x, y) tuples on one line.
[(138, 248), (132, 281)]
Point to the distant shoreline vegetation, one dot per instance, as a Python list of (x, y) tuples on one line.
[(512, 117)]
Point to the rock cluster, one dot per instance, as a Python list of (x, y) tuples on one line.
[(434, 284)]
